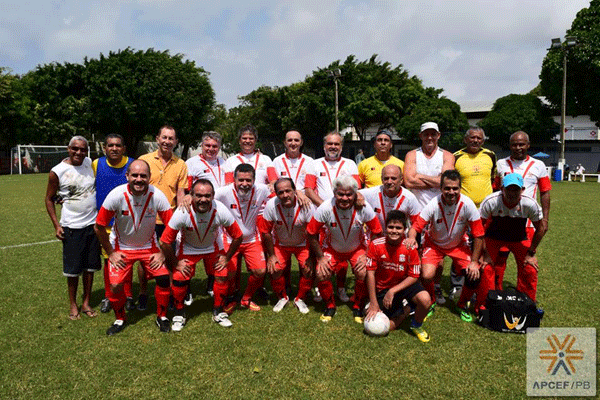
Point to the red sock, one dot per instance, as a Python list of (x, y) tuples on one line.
[(499, 275), (360, 292), (430, 287), (161, 294), (487, 282), (253, 284), (179, 293), (220, 293), (304, 287), (238, 278), (465, 296), (127, 289), (278, 286), (326, 290), (117, 302), (106, 280)]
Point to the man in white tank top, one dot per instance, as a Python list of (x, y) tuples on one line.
[(423, 168)]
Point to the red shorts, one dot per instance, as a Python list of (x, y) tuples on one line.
[(433, 255), (210, 260), (340, 260), (117, 276), (253, 255), (284, 255)]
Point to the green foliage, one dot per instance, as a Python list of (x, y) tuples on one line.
[(13, 109), (583, 67), (519, 112)]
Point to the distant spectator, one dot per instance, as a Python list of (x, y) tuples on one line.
[(579, 172), (359, 157)]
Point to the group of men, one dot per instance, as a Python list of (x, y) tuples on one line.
[(394, 233)]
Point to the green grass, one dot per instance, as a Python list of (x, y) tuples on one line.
[(268, 355)]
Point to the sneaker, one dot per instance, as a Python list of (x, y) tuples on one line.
[(222, 319), (358, 315), (129, 304), (465, 315), (105, 306), (188, 300), (178, 323), (262, 293), (455, 293), (317, 297), (211, 293), (439, 296), (301, 306), (163, 323), (280, 304), (341, 292), (250, 305), (430, 313), (422, 335), (328, 314), (230, 307), (142, 302), (116, 327)]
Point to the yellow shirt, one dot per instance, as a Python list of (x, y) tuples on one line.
[(477, 172), (369, 170), (168, 178)]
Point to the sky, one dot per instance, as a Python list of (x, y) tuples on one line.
[(476, 51)]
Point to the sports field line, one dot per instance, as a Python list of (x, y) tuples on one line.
[(28, 244)]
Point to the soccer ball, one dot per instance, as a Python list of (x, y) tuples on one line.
[(377, 326)]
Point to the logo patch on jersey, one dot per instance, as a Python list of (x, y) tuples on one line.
[(372, 168), (402, 258), (334, 224), (189, 228), (283, 173), (439, 221), (378, 210), (279, 222), (322, 174), (233, 206), (206, 171), (124, 212)]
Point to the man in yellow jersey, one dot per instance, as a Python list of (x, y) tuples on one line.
[(369, 170), (477, 167)]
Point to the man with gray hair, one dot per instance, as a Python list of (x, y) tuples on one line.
[(208, 164), (344, 242), (72, 184)]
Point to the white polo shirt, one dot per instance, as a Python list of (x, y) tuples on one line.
[(262, 165), (288, 224), (301, 170), (326, 172), (404, 201), (213, 170)]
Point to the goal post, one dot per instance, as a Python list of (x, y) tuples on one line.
[(33, 158)]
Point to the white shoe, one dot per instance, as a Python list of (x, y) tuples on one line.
[(317, 297), (342, 295), (189, 299), (280, 304), (439, 296), (211, 293), (301, 306), (222, 319), (178, 323)]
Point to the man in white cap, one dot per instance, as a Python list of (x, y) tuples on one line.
[(423, 168)]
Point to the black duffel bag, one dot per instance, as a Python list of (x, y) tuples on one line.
[(509, 311)]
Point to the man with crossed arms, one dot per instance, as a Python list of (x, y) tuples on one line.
[(199, 239)]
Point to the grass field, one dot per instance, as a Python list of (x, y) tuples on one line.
[(268, 355)]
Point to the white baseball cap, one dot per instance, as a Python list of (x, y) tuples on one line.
[(429, 125)]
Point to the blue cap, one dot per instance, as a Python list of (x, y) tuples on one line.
[(512, 179)]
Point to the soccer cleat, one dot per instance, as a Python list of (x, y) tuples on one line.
[(142, 302), (262, 293), (230, 307), (328, 314), (105, 305), (301, 306), (188, 300), (222, 319), (280, 304), (116, 327), (178, 323), (317, 297), (341, 292), (129, 304), (250, 305), (455, 293), (163, 323), (421, 334), (439, 296), (358, 315), (211, 293), (430, 313), (465, 315)]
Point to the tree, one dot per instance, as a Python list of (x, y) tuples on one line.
[(134, 93), (583, 67), (519, 112), (13, 110)]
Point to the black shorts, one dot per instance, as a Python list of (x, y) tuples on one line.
[(397, 307), (81, 251)]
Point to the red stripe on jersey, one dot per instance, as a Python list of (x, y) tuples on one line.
[(104, 216)]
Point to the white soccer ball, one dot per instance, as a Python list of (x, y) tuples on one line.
[(378, 326)]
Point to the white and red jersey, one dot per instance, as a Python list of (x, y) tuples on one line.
[(265, 172), (214, 170), (345, 228), (392, 263), (448, 223), (288, 224), (200, 233), (327, 171), (533, 171), (135, 217), (508, 224), (404, 201), (245, 208), (301, 170)]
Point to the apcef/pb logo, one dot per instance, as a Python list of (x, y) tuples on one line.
[(561, 354), (516, 322)]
